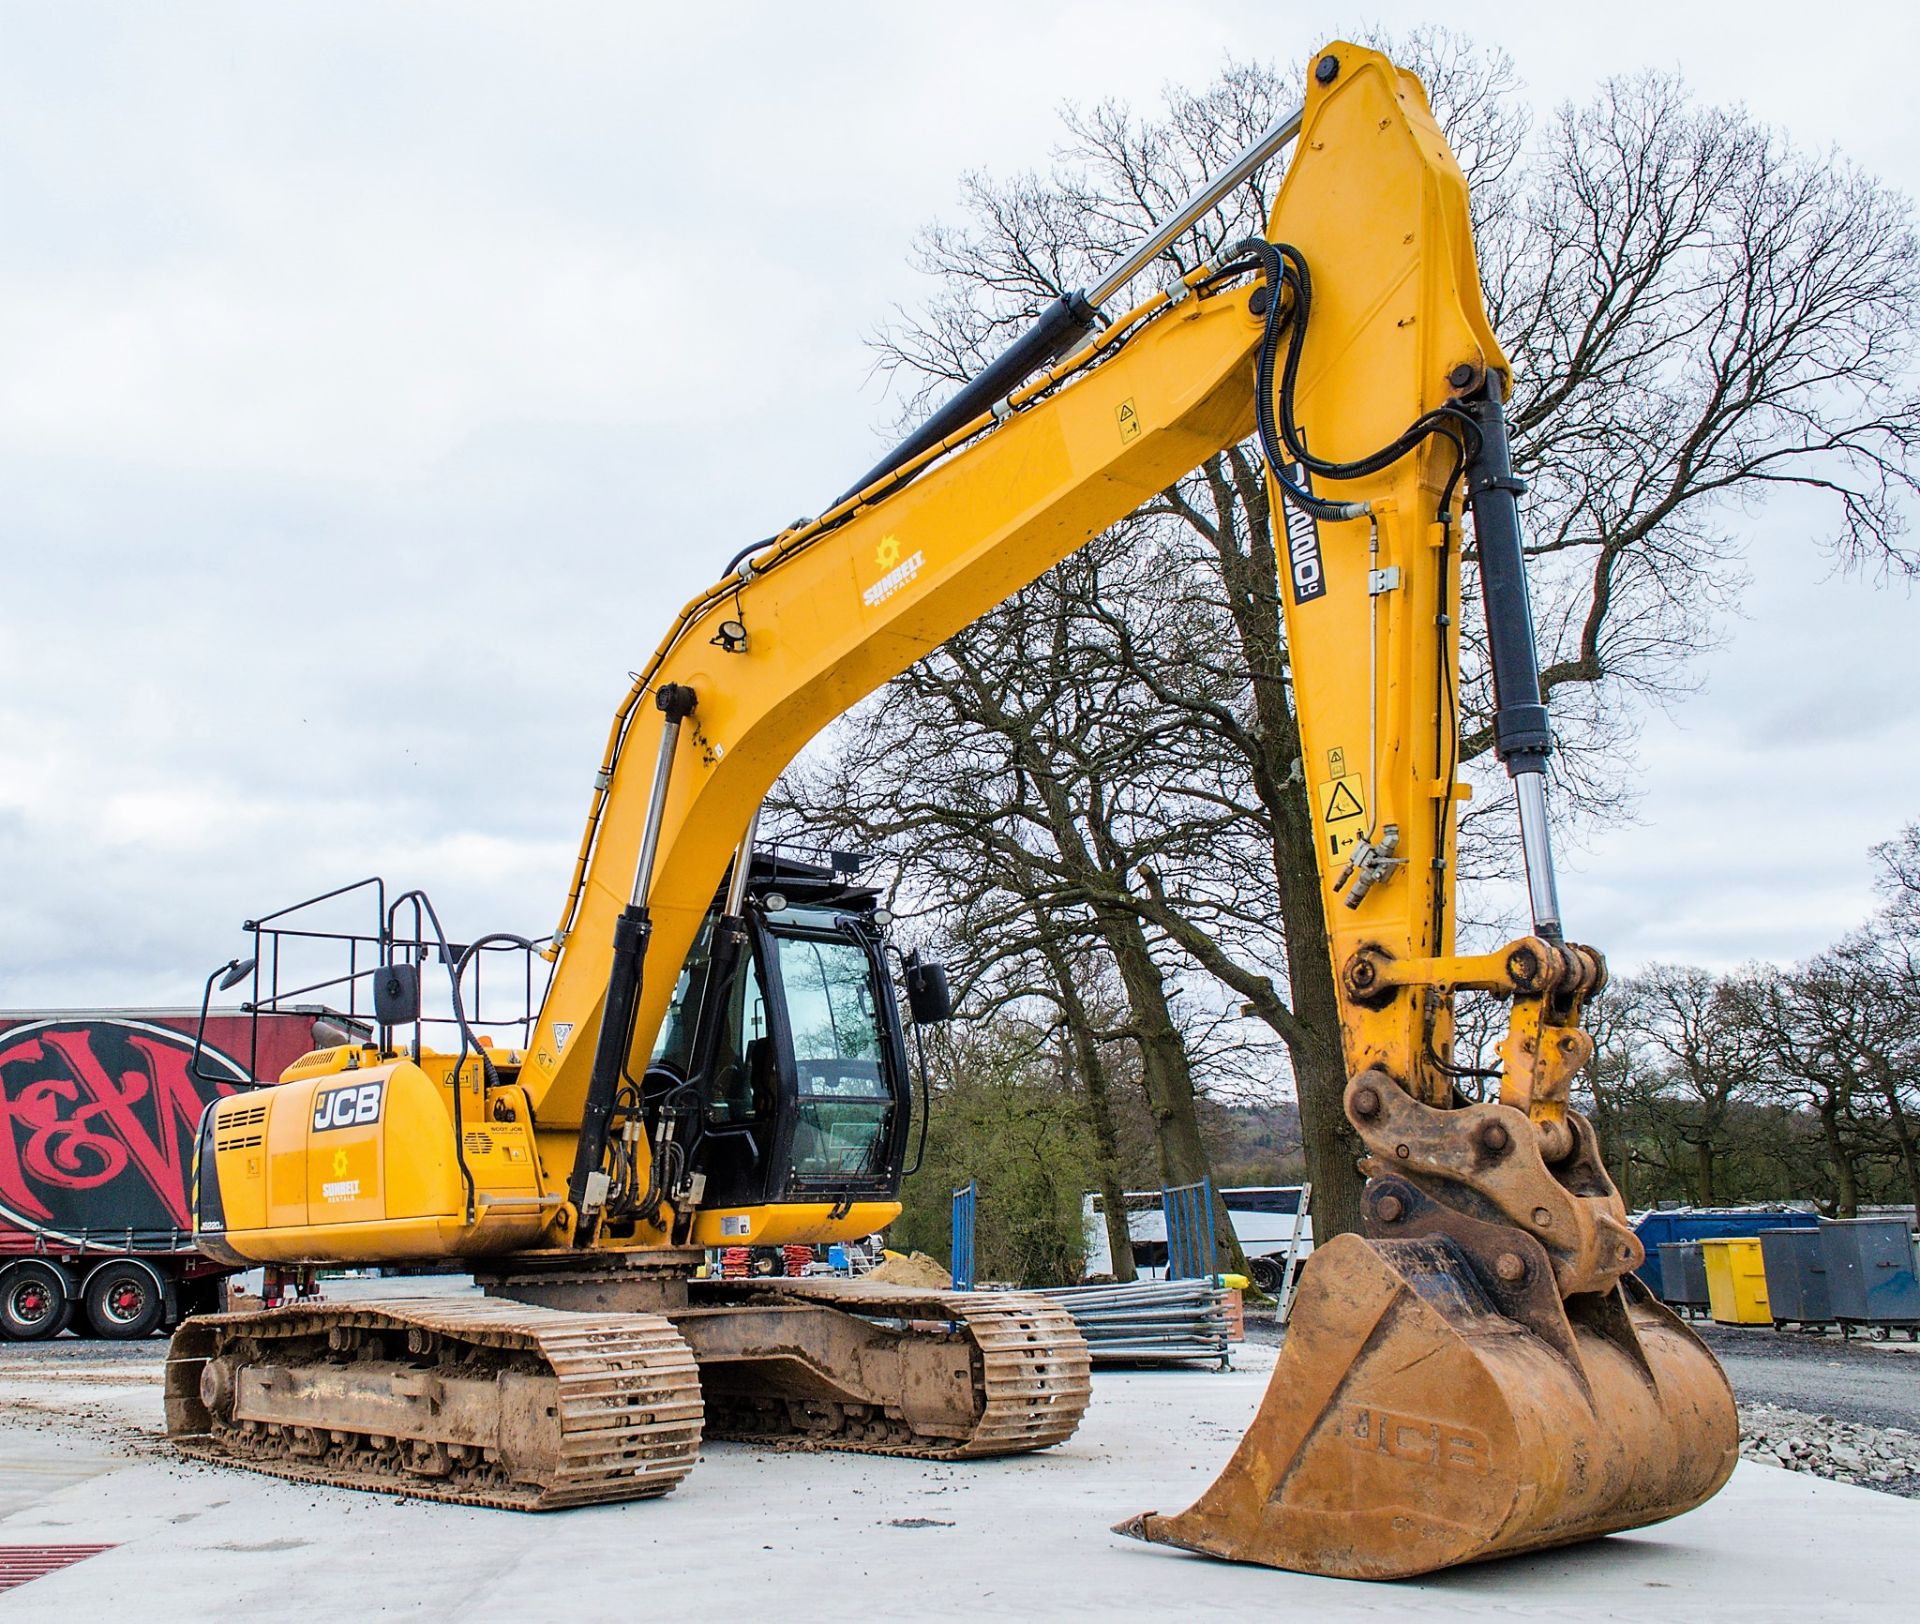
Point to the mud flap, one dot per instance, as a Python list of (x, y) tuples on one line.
[(1410, 1424)]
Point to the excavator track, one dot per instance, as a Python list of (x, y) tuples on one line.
[(478, 1402), (1029, 1372)]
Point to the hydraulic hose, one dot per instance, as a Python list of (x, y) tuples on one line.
[(1054, 332), (1283, 267)]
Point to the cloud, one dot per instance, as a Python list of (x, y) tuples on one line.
[(376, 383)]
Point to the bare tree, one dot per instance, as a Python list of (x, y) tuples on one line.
[(1884, 960), (1811, 1024), (994, 773), (1898, 882), (1697, 1044), (1615, 1091)]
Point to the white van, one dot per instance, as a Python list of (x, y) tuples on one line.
[(1264, 1216)]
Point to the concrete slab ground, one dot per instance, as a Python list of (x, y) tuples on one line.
[(757, 1535)]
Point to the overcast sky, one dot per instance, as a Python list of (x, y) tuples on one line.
[(376, 380)]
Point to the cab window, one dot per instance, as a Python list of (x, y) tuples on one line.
[(844, 1105), (744, 1055)]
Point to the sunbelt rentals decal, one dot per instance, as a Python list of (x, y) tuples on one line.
[(898, 567), (340, 1187)]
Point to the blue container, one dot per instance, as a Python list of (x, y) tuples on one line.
[(1706, 1224), (1870, 1271)]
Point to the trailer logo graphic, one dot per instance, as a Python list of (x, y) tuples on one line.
[(97, 1119)]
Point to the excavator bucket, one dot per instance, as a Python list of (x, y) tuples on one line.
[(1428, 1410)]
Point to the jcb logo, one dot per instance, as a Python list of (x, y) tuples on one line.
[(350, 1107), (1415, 1438)]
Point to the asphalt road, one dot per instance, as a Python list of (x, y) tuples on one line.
[(1874, 1383)]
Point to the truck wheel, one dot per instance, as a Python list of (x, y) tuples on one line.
[(33, 1302), (1267, 1274), (125, 1300)]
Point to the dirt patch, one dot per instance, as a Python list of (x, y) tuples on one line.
[(917, 1269)]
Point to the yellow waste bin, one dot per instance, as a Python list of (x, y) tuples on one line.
[(1737, 1281)]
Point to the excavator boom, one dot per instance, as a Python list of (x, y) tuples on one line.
[(1480, 1373)]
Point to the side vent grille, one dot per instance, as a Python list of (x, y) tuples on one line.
[(232, 1122)]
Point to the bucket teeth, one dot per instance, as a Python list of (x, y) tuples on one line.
[(1410, 1425)]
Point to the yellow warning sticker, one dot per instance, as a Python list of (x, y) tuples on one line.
[(1336, 762), (1343, 809), (1129, 419)]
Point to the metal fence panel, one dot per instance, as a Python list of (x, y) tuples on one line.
[(1189, 1210), (960, 1259)]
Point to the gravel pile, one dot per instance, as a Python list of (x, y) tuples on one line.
[(1886, 1458)]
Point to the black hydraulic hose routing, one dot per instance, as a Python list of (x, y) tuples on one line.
[(1284, 267), (747, 552), (1272, 413)]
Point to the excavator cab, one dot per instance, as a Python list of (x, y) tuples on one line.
[(806, 1095)]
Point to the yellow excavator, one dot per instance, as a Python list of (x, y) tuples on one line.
[(1479, 1374)]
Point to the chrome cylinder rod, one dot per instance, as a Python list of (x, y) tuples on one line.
[(1270, 141), (1522, 738), (742, 868), (1536, 845), (673, 712), (589, 1185)]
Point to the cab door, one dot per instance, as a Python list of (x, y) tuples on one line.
[(844, 1116)]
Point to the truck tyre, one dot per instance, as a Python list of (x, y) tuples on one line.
[(1268, 1273), (125, 1299), (201, 1296), (35, 1301)]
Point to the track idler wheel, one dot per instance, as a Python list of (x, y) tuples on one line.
[(1432, 1407)]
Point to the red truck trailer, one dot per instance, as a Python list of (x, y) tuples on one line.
[(98, 1113)]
